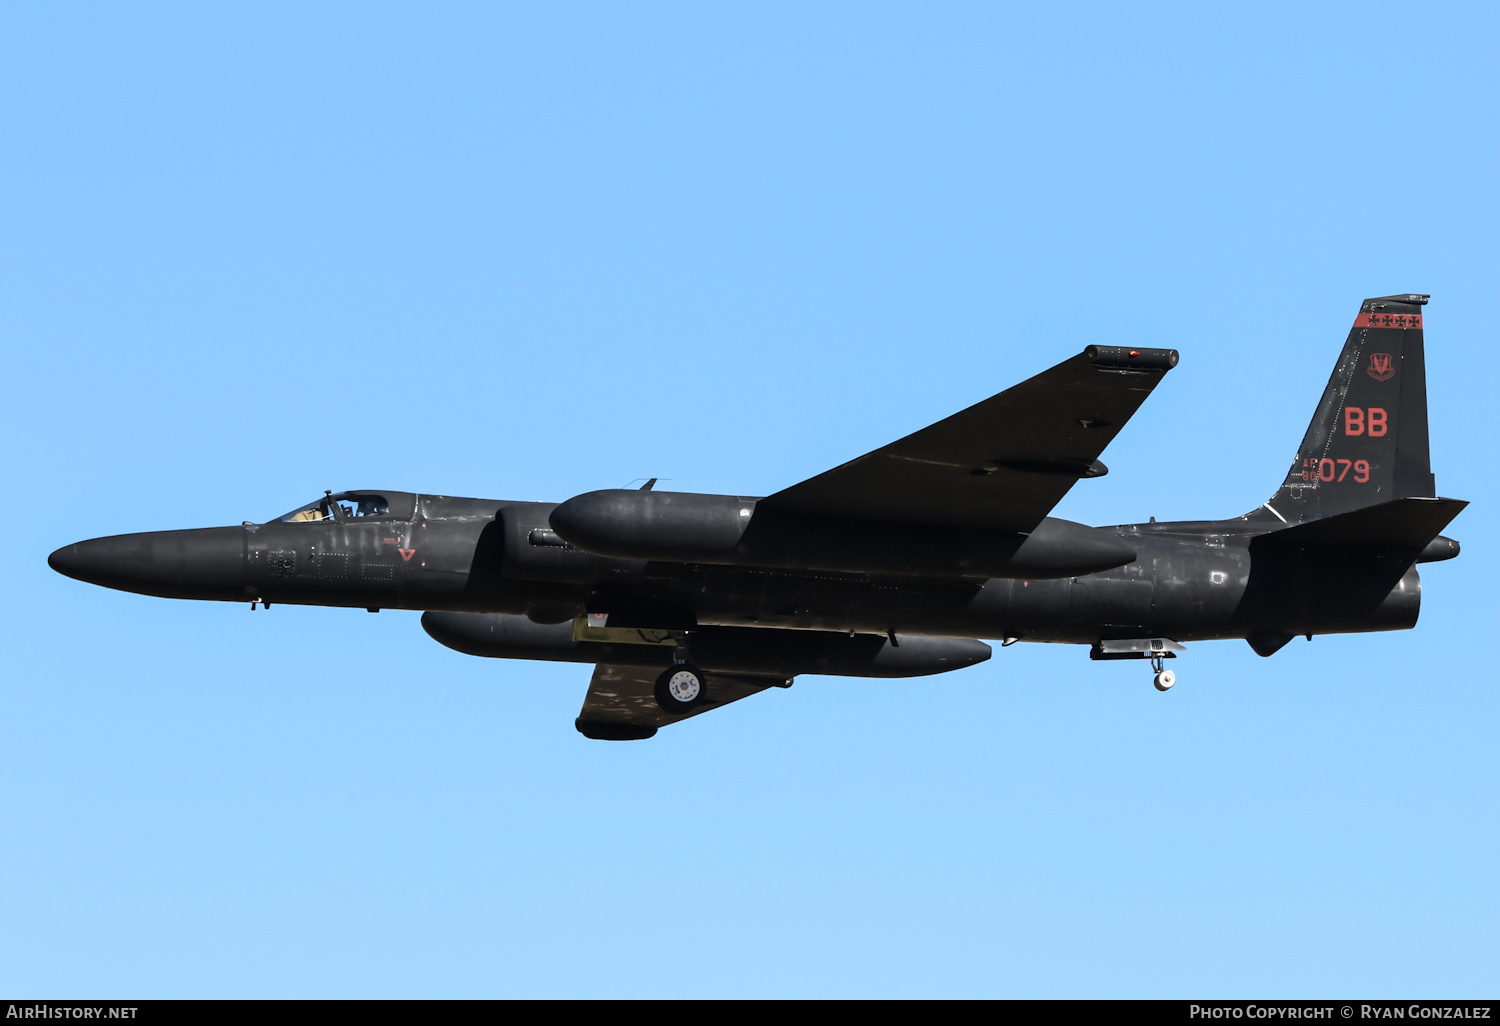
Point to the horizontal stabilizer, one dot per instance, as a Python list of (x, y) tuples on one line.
[(1403, 525)]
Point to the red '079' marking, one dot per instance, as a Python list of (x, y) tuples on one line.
[(1334, 470)]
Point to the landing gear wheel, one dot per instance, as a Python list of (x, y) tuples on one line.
[(680, 689), (1164, 680)]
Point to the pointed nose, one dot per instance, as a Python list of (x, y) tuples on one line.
[(67, 562), (202, 564)]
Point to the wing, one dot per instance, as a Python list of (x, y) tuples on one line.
[(621, 704), (1000, 465)]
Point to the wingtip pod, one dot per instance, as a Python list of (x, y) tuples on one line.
[(1127, 359), (602, 730)]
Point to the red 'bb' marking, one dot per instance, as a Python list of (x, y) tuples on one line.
[(1358, 420)]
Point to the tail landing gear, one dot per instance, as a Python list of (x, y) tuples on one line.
[(1164, 678), (1158, 650)]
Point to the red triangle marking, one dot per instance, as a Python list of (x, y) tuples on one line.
[(406, 554)]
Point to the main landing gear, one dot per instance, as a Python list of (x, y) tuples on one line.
[(679, 690)]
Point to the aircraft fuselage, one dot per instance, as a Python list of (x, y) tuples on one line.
[(1189, 581)]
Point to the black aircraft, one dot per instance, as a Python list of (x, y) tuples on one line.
[(891, 565)]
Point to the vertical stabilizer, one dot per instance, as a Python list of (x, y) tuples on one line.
[(1367, 442)]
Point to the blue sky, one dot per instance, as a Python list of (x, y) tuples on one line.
[(252, 252)]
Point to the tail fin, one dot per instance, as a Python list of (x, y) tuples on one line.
[(1367, 443)]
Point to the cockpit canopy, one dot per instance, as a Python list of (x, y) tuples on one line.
[(347, 506)]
